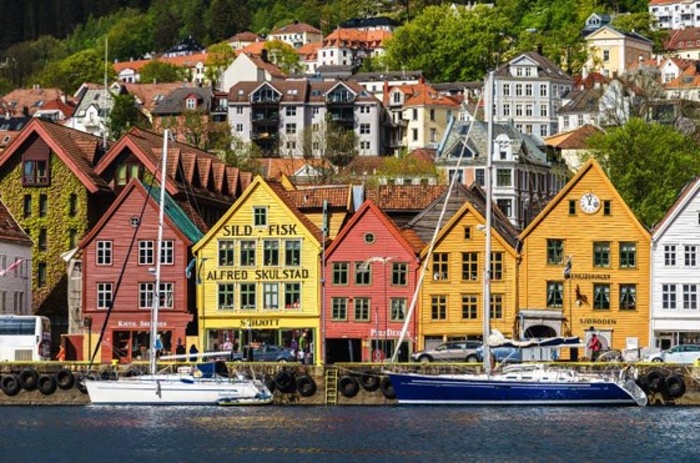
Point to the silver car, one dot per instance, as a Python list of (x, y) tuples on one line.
[(682, 353), (453, 351)]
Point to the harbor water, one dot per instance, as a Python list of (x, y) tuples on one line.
[(293, 434)]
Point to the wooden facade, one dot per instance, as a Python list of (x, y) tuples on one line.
[(259, 268), (589, 225), (119, 255), (370, 275)]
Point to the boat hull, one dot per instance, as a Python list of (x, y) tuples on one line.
[(453, 390), (175, 391)]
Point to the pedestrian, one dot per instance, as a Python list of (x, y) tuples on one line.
[(594, 345), (228, 347), (295, 347), (193, 353), (61, 356), (180, 350)]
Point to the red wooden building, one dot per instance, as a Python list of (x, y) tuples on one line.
[(118, 257), (370, 273)]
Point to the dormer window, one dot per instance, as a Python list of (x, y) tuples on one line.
[(35, 171), (126, 172), (191, 103)]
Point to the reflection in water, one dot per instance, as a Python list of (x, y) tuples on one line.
[(346, 434)]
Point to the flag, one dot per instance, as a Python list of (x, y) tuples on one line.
[(567, 269), (14, 265), (190, 267)]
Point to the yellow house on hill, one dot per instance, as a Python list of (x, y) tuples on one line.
[(585, 266)]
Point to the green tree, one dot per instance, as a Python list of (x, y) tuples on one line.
[(124, 115), (648, 163), (283, 55), (78, 68), (641, 23), (160, 72), (131, 38), (225, 18), (219, 57)]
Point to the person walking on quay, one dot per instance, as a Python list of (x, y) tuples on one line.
[(61, 356), (193, 353), (180, 350), (594, 345)]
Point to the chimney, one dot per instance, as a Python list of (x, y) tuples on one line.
[(263, 56)]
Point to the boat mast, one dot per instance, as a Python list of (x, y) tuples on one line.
[(156, 289), (487, 258)]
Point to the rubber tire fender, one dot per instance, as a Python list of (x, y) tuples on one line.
[(675, 386), (306, 386), (348, 386), (285, 381), (387, 388), (643, 383), (270, 384), (46, 384), (656, 381), (65, 379), (80, 381), (10, 385), (369, 381), (28, 379)]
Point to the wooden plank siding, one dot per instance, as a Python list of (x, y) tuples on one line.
[(579, 231)]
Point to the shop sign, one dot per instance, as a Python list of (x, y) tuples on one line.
[(590, 276), (247, 230), (597, 321), (389, 333), (260, 323), (139, 324), (272, 274)]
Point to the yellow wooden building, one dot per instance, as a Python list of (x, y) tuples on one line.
[(452, 292), (258, 273), (587, 233)]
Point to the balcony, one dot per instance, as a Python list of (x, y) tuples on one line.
[(265, 99), (265, 118), (264, 136)]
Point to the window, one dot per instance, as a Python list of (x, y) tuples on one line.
[(544, 130), (290, 111), (528, 90), (226, 296), (628, 255), (670, 255), (440, 266), (496, 266), (690, 296), (292, 253), (467, 233), (606, 55), (555, 294), (606, 207), (506, 206), (292, 295), (364, 109), (438, 307), (247, 253), (470, 266), (565, 121), (271, 253), (433, 135), (518, 110), (73, 205), (398, 309), (271, 295), (544, 110), (36, 173), (43, 242), (469, 306), (480, 177), (399, 274), (248, 297), (190, 103), (104, 295), (506, 110), (41, 274), (628, 297), (432, 114), (239, 128), (167, 252), (690, 255), (27, 206), (239, 109), (518, 89), (127, 171), (104, 253), (601, 296), (364, 129), (43, 205), (72, 238), (363, 274), (146, 295), (414, 114), (572, 207), (339, 308), (340, 273), (362, 309), (290, 129), (369, 238), (668, 296), (414, 134), (496, 308), (543, 90), (503, 177), (260, 216), (146, 253), (226, 253), (601, 254), (506, 89)]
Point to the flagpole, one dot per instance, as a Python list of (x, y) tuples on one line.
[(567, 275)]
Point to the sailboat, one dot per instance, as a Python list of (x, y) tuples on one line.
[(518, 384), (200, 384)]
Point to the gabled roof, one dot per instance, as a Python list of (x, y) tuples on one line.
[(591, 167), (174, 102), (174, 216), (246, 36), (149, 95), (312, 197), (404, 197), (356, 38), (423, 94), (78, 150), (630, 35), (585, 100), (295, 28), (576, 139), (187, 61), (545, 67), (686, 196), (10, 230), (188, 45), (275, 189), (412, 245), (31, 98), (683, 39)]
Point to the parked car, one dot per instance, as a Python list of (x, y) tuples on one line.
[(501, 354), (682, 353), (267, 353), (453, 351)]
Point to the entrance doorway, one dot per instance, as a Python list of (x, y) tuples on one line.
[(343, 350)]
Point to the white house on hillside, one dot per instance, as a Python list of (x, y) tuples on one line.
[(15, 264)]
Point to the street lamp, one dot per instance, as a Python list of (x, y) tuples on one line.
[(198, 282), (364, 267)]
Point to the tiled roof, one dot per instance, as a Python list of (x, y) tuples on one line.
[(273, 168), (424, 95), (309, 51), (297, 28), (312, 197), (174, 102), (31, 98), (148, 95), (246, 36), (187, 61), (254, 53), (689, 78), (404, 197), (304, 90), (423, 154), (592, 80), (10, 229), (356, 38), (582, 101), (683, 39), (545, 69), (283, 195), (576, 139)]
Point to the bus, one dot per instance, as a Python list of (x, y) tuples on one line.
[(25, 338)]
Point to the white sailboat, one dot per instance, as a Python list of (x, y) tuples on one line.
[(525, 384), (202, 384)]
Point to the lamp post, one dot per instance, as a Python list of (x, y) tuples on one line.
[(199, 283), (365, 266)]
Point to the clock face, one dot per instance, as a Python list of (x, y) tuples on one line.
[(590, 203)]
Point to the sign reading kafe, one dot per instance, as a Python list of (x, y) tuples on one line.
[(247, 230), (259, 275)]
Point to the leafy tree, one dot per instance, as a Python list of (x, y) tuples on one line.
[(160, 72), (332, 143), (641, 23), (166, 23), (648, 163), (244, 155), (219, 57), (71, 72), (131, 38), (124, 115), (283, 55), (225, 18)]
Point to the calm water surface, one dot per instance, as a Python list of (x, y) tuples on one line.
[(347, 434)]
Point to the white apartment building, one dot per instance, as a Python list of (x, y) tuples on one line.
[(15, 264), (675, 14)]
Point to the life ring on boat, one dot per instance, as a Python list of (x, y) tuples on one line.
[(656, 381), (65, 379), (369, 381), (387, 388), (46, 384), (28, 378), (10, 385), (306, 385), (348, 386), (675, 386), (285, 381)]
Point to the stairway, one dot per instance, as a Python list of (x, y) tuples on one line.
[(331, 383)]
